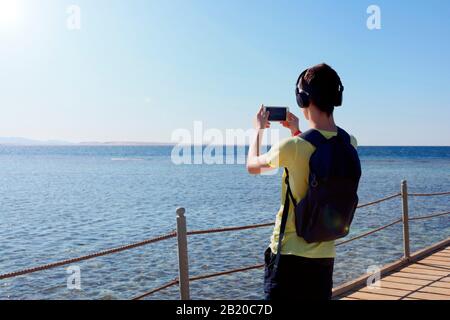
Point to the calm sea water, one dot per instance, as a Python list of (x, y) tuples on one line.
[(61, 202)]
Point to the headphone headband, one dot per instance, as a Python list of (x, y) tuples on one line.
[(303, 94)]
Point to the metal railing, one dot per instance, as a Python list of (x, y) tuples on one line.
[(183, 280)]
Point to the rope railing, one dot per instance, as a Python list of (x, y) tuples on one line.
[(87, 257), (429, 216), (428, 194), (379, 201), (228, 229), (164, 286), (255, 226), (368, 233), (220, 230), (196, 278)]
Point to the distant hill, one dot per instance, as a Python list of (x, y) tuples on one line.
[(124, 143), (18, 141)]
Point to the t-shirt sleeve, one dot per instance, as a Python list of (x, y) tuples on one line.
[(282, 154)]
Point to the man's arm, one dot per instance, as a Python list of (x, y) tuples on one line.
[(257, 163)]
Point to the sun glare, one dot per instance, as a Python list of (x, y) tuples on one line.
[(9, 13)]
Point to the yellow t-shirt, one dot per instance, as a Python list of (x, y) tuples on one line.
[(293, 154)]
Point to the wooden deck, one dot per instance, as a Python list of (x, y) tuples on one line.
[(426, 276)]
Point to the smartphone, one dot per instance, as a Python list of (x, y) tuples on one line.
[(277, 113)]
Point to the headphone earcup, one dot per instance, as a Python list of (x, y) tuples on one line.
[(339, 99), (340, 94), (303, 99)]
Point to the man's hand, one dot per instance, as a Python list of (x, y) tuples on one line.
[(292, 123), (261, 121)]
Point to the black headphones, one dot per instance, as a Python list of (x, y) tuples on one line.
[(303, 95)]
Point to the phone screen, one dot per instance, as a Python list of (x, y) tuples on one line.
[(277, 113)]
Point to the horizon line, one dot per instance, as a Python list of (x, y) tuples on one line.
[(167, 144), (22, 141)]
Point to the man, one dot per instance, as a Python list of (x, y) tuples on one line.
[(304, 270)]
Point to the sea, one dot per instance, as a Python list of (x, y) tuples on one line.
[(60, 202)]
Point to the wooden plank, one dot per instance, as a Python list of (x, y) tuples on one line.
[(409, 278), (408, 298), (435, 263), (347, 298), (386, 291), (427, 267), (424, 266), (431, 259), (411, 275), (394, 278), (443, 291), (441, 254), (361, 281), (371, 296), (438, 258), (441, 257), (397, 285), (440, 284), (428, 296), (425, 271)]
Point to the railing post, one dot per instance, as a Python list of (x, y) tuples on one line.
[(405, 218), (183, 264)]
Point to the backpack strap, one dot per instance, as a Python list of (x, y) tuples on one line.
[(314, 137), (284, 217), (344, 135)]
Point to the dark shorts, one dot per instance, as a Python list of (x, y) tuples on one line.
[(298, 278)]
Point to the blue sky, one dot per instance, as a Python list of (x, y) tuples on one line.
[(137, 70)]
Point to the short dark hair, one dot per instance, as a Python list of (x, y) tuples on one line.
[(324, 82)]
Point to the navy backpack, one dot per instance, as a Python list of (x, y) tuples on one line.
[(327, 210)]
